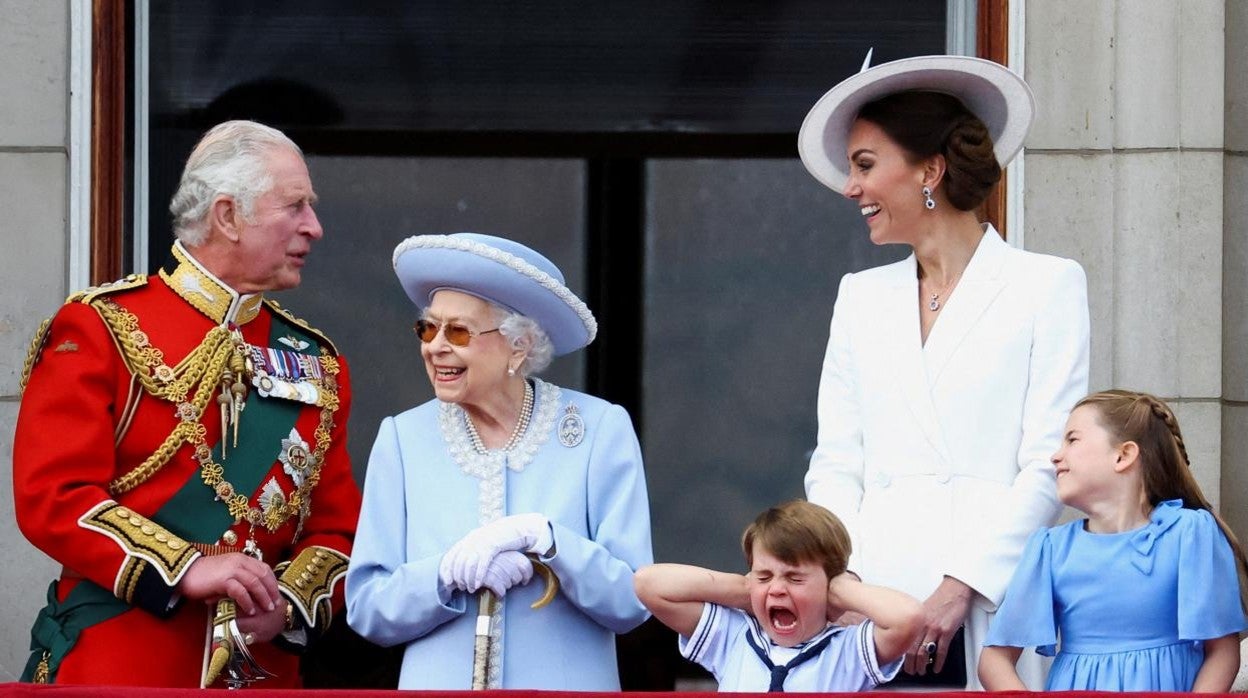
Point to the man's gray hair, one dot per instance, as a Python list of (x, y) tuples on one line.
[(228, 161)]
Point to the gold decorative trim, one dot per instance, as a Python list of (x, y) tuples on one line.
[(299, 502), (128, 580), (87, 295), (148, 363), (204, 368), (42, 670), (309, 580), (141, 538), (320, 336), (249, 308), (32, 355), (208, 294), (198, 288), (200, 370)]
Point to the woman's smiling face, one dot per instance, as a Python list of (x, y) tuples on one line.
[(885, 184), (469, 375), (789, 601)]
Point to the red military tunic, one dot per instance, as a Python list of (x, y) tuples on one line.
[(114, 461)]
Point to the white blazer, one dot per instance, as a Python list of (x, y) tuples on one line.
[(936, 455)]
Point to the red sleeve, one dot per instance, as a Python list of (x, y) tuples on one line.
[(64, 457)]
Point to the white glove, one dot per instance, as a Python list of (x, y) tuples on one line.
[(465, 563), (446, 580), (506, 570)]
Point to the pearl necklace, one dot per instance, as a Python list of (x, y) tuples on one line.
[(526, 413)]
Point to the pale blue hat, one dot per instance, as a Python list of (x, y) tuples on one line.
[(500, 271)]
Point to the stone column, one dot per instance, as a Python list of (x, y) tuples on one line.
[(1235, 275), (34, 163), (1124, 172)]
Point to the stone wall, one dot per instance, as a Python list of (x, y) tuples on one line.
[(1235, 275), (1125, 173), (34, 163)]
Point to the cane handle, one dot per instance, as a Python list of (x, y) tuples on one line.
[(552, 582)]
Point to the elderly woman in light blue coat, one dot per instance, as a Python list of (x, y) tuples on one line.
[(464, 492)]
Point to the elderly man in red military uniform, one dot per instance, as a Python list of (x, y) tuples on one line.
[(181, 445)]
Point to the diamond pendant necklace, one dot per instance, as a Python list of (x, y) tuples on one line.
[(934, 303)]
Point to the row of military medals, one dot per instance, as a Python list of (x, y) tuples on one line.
[(274, 373)]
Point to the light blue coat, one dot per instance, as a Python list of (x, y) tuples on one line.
[(420, 498)]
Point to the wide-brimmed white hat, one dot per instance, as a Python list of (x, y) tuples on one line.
[(498, 270), (992, 92)]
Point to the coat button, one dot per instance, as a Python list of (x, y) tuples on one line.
[(944, 478), (883, 480)]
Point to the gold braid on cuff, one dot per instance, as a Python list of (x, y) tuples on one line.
[(308, 582), (144, 541)]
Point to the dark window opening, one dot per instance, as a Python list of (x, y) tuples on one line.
[(648, 148)]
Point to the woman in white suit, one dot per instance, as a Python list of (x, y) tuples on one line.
[(948, 375)]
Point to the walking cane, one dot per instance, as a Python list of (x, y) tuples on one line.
[(483, 642)]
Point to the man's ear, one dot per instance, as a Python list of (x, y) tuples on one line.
[(1128, 455), (225, 217)]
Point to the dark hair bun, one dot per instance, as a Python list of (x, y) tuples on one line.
[(929, 123), (971, 167)]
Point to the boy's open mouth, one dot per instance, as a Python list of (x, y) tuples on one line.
[(782, 619)]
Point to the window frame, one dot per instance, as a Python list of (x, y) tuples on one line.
[(112, 115)]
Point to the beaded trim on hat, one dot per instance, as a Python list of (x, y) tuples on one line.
[(550, 283)]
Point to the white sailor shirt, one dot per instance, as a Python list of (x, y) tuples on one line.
[(721, 644)]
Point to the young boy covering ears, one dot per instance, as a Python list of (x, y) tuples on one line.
[(771, 630)]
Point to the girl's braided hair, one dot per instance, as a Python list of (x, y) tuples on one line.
[(1166, 468)]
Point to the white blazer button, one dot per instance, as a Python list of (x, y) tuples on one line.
[(944, 478), (883, 480)]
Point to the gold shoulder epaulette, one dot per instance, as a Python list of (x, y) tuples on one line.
[(277, 308), (125, 283), (86, 295)]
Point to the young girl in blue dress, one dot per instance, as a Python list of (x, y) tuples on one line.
[(1145, 594)]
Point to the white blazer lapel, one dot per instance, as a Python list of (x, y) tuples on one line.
[(981, 282), (903, 351)]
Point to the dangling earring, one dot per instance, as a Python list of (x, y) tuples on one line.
[(927, 198)]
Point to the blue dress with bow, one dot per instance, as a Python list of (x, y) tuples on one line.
[(1130, 610)]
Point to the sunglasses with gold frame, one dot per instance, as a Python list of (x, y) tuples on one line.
[(458, 335)]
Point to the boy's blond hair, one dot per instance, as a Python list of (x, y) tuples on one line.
[(798, 531)]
